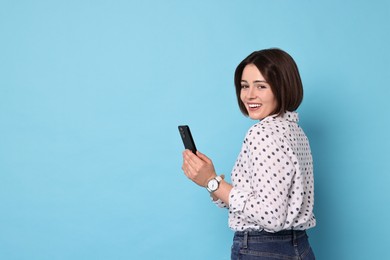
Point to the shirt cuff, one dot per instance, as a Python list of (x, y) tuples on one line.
[(237, 200), (219, 203)]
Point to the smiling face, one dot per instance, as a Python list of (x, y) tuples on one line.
[(256, 93)]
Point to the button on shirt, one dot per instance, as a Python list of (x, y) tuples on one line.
[(273, 185)]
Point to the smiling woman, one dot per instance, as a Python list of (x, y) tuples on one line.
[(270, 199)]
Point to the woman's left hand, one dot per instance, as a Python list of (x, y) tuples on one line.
[(199, 168)]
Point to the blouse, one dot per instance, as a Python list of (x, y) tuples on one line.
[(272, 179)]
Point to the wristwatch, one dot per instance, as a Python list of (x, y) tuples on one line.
[(213, 184)]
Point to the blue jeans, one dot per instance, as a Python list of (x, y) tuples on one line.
[(261, 245)]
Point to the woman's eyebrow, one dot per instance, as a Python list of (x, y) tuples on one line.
[(255, 81), (259, 81)]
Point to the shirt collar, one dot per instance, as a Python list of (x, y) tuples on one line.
[(287, 116)]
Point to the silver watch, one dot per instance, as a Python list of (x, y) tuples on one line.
[(213, 184)]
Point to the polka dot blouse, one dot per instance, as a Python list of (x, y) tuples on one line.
[(273, 186)]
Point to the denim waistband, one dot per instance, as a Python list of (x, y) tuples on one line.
[(251, 233), (292, 235)]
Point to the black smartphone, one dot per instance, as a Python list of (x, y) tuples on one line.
[(186, 136)]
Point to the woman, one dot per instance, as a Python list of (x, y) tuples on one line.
[(271, 197)]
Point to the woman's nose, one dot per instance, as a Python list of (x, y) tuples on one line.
[(251, 93)]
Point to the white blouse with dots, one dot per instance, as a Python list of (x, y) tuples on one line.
[(273, 185)]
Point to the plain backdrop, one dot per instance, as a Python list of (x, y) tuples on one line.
[(91, 93)]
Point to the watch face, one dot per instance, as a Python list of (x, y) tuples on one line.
[(213, 184)]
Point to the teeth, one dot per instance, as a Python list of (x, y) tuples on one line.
[(254, 105)]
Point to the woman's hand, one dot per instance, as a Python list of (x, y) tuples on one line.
[(199, 168)]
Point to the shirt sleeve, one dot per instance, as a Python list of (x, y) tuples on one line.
[(261, 194)]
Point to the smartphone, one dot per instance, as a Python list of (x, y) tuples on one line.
[(186, 136)]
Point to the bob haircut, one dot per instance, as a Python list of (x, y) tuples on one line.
[(281, 73)]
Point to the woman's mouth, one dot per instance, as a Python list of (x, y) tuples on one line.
[(254, 106)]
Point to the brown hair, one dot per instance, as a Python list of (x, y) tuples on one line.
[(281, 73)]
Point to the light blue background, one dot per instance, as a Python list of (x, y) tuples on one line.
[(91, 93)]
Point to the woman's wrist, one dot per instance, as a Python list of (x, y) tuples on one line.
[(223, 191), (220, 179)]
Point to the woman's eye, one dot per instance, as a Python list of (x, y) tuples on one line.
[(261, 87), (244, 86)]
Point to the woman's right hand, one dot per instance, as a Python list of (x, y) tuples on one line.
[(198, 168)]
